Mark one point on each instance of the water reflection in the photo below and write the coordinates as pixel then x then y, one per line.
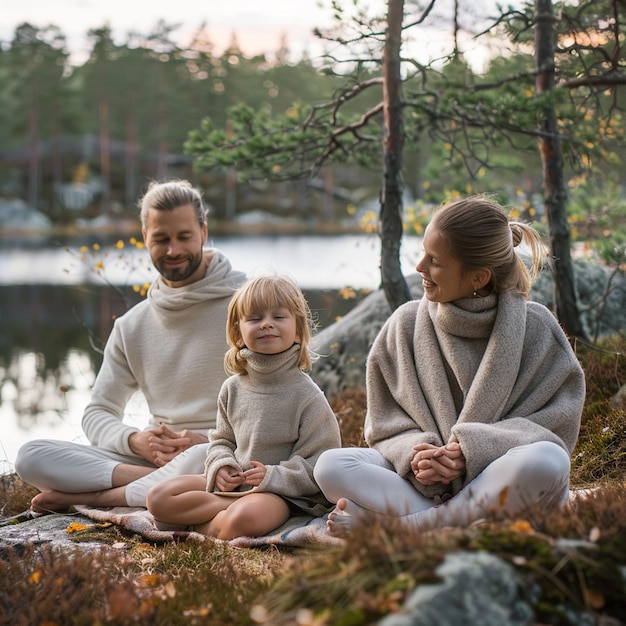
pixel 51 340
pixel 50 348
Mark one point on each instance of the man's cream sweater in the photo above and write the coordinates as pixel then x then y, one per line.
pixel 170 347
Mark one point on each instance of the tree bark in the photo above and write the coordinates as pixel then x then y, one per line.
pixel 555 196
pixel 393 282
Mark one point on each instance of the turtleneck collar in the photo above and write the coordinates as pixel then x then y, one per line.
pixel 472 318
pixel 271 367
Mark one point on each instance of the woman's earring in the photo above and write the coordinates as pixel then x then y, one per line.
pixel 475 294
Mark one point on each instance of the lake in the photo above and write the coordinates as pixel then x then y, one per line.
pixel 57 303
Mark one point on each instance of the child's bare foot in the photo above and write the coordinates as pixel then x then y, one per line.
pixel 203 529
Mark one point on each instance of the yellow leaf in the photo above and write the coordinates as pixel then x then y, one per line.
pixel 75 527
pixel 149 580
pixel 521 526
pixel 594 599
pixel 170 589
pixel 103 524
pixel 34 577
pixel 503 496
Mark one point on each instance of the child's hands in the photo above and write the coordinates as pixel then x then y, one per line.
pixel 254 476
pixel 228 478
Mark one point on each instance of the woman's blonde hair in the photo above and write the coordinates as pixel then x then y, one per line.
pixel 260 294
pixel 480 235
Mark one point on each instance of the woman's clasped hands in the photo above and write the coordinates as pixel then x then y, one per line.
pixel 438 464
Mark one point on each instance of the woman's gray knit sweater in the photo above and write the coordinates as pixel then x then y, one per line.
pixel 491 373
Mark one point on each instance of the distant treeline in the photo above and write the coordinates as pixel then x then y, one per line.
pixel 83 140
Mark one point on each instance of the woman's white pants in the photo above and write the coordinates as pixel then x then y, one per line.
pixel 525 475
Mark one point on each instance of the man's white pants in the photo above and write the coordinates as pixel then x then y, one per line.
pixel 76 468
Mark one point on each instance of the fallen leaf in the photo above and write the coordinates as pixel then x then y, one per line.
pixel 75 527
pixel 503 496
pixel 521 526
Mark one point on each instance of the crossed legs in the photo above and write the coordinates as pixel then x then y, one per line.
pixel 364 485
pixel 183 501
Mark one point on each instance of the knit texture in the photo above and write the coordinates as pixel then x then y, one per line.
pixel 516 379
pixel 276 415
pixel 170 347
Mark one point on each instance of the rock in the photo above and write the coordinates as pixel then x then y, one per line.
pixel 45 529
pixel 16 214
pixel 477 588
pixel 618 401
pixel 601 297
pixel 344 345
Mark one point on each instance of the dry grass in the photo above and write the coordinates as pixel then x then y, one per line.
pixel 573 557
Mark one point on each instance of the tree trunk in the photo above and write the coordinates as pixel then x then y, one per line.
pixel 553 176
pixel 130 175
pixel 105 155
pixel 33 148
pixel 393 282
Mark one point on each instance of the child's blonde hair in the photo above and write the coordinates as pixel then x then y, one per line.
pixel 260 294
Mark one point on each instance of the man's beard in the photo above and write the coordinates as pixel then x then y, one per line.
pixel 177 274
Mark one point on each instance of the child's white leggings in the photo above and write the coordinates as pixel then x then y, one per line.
pixel 528 474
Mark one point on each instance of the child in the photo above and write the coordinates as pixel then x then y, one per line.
pixel 273 422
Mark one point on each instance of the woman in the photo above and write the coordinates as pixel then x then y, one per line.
pixel 474 393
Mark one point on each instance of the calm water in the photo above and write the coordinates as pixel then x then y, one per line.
pixel 57 305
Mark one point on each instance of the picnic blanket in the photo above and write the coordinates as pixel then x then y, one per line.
pixel 298 531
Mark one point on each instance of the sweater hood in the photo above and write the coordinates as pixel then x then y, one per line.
pixel 220 281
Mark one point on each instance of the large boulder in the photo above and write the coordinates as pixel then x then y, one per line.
pixel 343 347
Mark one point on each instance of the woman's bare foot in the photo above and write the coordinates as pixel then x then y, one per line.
pixel 346 516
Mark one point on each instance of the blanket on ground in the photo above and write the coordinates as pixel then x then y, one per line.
pixel 299 531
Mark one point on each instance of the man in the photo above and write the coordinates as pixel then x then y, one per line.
pixel 170 347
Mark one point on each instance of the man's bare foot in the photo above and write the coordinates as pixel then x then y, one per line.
pixel 60 501
pixel 52 502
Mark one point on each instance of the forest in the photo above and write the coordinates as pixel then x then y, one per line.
pixel 83 140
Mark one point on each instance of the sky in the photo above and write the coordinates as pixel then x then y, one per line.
pixel 258 24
